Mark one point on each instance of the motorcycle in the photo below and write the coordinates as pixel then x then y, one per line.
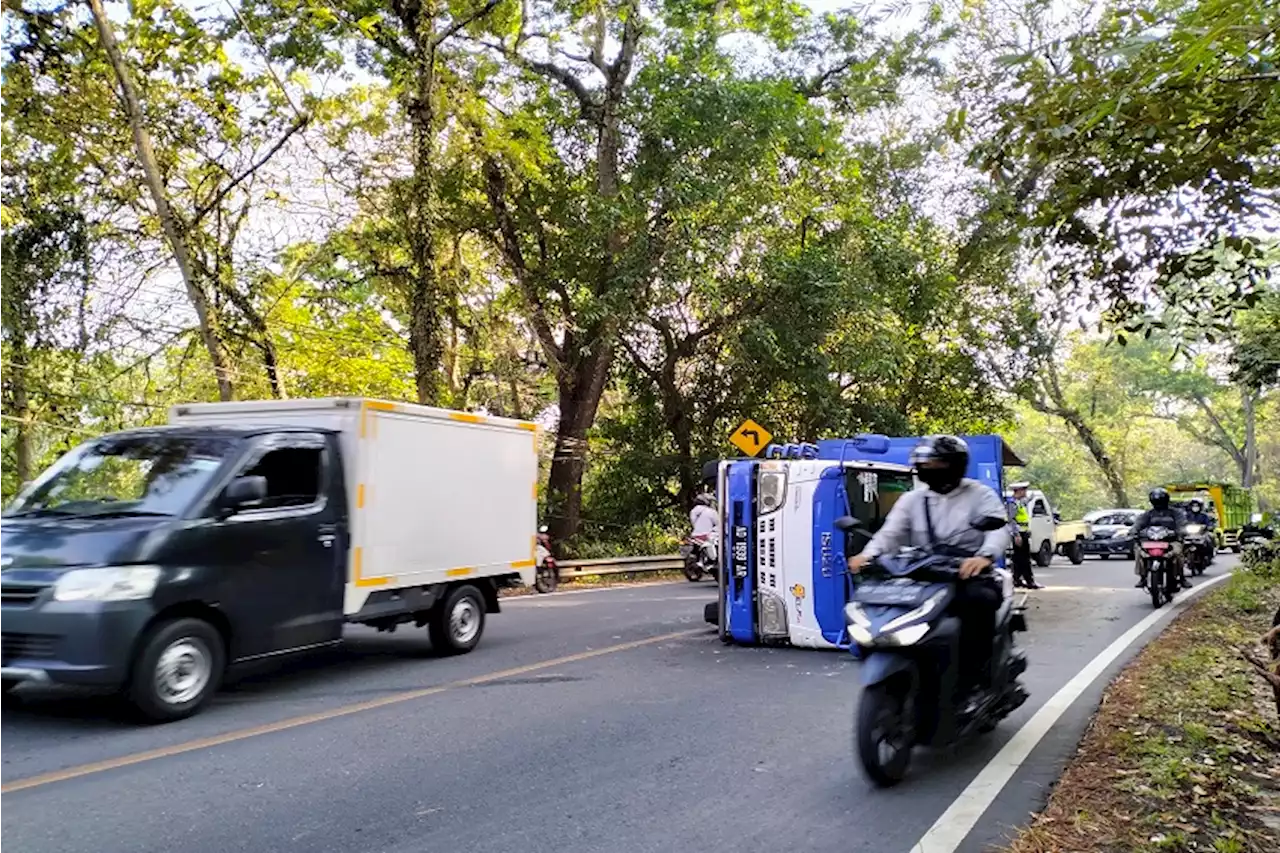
pixel 547 576
pixel 1200 546
pixel 1163 580
pixel 910 645
pixel 699 557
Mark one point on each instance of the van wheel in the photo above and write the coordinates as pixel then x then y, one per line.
pixel 457 623
pixel 177 671
pixel 1045 555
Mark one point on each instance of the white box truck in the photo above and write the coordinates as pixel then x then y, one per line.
pixel 150 560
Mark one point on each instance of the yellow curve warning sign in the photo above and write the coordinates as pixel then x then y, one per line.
pixel 751 438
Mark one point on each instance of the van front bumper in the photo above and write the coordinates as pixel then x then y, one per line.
pixel 72 642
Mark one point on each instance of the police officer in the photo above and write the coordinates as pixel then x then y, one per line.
pixel 942 516
pixel 1020 531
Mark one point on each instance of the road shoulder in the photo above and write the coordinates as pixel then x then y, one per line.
pixel 1184 752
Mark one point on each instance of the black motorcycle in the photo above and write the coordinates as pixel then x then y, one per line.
pixel 1157 545
pixel 898 617
pixel 1200 545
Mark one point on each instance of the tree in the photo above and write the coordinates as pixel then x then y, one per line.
pixel 1136 149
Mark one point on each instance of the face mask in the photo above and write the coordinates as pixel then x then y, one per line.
pixel 940 480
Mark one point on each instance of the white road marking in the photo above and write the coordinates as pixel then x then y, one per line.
pixel 951 829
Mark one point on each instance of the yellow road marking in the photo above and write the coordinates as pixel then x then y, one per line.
pixel 321 716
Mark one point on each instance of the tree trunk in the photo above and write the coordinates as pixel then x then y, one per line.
pixel 579 399
pixel 1249 474
pixel 21 402
pixel 174 231
pixel 1100 456
pixel 426 343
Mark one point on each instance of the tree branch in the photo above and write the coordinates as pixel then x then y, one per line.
pixel 463 22
pixel 202 211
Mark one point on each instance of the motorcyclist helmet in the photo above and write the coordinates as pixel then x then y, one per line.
pixel 705 499
pixel 1195 505
pixel 940 462
pixel 1159 499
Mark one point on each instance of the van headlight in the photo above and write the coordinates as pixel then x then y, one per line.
pixel 111 583
pixel 772 490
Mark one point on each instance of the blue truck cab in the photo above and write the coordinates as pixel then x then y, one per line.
pixel 783 575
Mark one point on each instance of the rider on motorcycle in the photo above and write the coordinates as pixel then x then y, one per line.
pixel 1160 515
pixel 1196 513
pixel 704 519
pixel 944 514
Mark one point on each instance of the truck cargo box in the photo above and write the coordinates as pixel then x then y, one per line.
pixel 433 495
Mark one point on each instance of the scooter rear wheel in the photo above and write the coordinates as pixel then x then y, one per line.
pixel 884 734
pixel 547 579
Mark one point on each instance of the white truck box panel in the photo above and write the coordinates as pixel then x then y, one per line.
pixel 434 495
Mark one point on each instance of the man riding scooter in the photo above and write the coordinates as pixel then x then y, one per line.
pixel 705 522
pixel 1199 535
pixel 944 514
pixel 1161 514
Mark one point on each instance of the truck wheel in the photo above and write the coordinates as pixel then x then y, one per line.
pixel 1045 555
pixel 457 623
pixel 1075 553
pixel 177 670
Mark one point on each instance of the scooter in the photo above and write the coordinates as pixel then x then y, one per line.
pixel 547 576
pixel 698 553
pixel 1200 545
pixel 1163 581
pixel 898 618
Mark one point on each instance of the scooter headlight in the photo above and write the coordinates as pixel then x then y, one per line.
pixel 1195 529
pixel 931 604
pixel 860 635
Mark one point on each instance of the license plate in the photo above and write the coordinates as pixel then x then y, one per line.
pixel 740 551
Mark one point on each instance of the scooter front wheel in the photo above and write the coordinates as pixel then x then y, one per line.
pixel 884 736
pixel 692 571
pixel 547 579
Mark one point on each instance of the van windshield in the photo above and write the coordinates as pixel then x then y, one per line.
pixel 125 475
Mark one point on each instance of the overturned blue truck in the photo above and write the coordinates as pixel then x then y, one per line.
pixel 783 577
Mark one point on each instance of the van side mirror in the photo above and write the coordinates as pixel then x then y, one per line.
pixel 243 493
pixel 991 522
pixel 1057 517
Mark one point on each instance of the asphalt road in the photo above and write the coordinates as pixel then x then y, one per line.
pixel 607 720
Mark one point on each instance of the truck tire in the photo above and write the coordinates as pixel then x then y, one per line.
pixel 457 622
pixel 1044 556
pixel 177 670
pixel 1075 553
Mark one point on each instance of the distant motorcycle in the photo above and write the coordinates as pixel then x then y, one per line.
pixel 1157 549
pixel 547 576
pixel 1200 546
pixel 899 619
pixel 699 557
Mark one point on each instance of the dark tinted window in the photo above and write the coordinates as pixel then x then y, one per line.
pixel 293 476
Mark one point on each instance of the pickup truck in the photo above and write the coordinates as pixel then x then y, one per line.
pixel 1070 537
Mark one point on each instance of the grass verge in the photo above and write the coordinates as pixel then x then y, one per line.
pixel 597 581
pixel 1184 752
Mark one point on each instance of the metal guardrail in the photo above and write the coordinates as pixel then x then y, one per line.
pixel 619 566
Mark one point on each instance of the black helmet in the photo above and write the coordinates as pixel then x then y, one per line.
pixel 1159 499
pixel 940 462
pixel 1195 505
